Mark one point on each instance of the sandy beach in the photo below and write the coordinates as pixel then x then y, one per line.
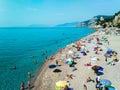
pixel 46 79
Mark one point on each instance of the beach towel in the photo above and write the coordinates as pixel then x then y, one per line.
pixel 56 74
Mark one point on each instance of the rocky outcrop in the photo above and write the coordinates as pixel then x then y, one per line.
pixel 116 20
pixel 92 23
pixel 113 21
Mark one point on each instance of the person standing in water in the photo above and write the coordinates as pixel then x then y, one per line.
pixel 22 86
pixel 29 76
pixel 29 86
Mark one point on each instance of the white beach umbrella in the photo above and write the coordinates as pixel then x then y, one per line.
pixel 70 52
pixel 94 58
pixel 69 59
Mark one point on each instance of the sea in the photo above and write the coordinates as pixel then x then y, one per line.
pixel 21 47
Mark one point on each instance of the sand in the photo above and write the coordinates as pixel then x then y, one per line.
pixel 46 79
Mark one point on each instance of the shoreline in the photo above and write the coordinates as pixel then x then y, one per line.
pixel 41 71
pixel 44 77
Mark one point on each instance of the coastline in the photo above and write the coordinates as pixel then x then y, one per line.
pixel 42 70
pixel 46 81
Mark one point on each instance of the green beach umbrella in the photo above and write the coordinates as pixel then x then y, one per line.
pixel 110 87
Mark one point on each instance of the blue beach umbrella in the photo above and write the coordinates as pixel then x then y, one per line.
pixel 109 50
pixel 105 82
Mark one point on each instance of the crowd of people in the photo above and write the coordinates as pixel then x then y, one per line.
pixel 80 47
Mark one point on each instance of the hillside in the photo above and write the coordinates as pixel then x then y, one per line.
pixel 88 23
pixel 111 21
pixel 72 24
pixel 91 22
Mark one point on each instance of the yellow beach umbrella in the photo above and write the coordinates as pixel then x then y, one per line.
pixel 61 83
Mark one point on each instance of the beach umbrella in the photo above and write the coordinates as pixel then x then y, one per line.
pixel 94 61
pixel 63 55
pixel 109 51
pixel 93 58
pixel 105 82
pixel 70 52
pixel 76 54
pixel 57 70
pixel 52 66
pixel 95 48
pixel 69 59
pixel 110 87
pixel 61 83
pixel 69 62
pixel 106 55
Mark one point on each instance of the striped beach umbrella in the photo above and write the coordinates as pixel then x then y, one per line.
pixel 69 62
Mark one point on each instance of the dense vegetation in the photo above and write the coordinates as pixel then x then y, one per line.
pixel 110 20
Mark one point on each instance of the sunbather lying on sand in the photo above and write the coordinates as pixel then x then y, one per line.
pixel 89 80
pixel 69 76
pixel 88 64
pixel 112 63
pixel 74 69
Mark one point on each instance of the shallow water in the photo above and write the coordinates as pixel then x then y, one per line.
pixel 18 45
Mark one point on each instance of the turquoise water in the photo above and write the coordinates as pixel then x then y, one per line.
pixel 17 45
